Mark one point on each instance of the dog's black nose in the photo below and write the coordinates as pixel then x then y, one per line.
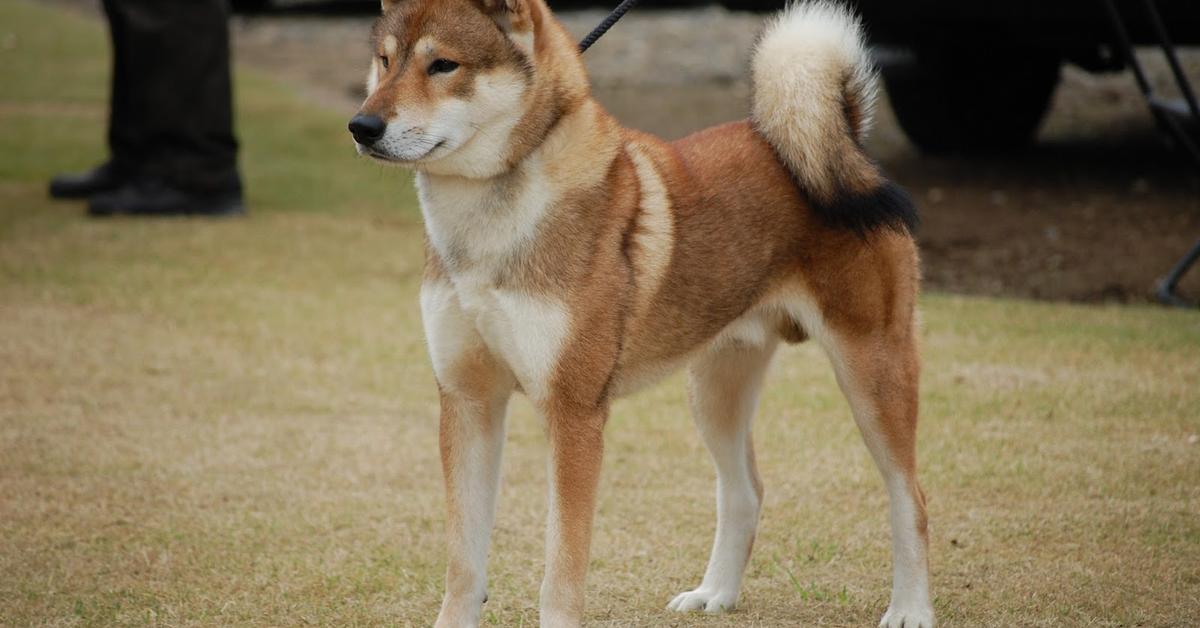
pixel 367 129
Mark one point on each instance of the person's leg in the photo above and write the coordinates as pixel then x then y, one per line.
pixel 127 128
pixel 126 135
pixel 172 107
pixel 177 82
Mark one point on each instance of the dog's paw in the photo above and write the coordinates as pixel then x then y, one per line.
pixel 702 600
pixel 458 613
pixel 907 618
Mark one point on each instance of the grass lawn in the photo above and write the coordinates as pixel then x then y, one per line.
pixel 233 422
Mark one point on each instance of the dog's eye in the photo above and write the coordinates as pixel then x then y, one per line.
pixel 442 66
pixel 384 61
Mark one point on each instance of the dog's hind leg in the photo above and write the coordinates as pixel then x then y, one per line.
pixel 724 386
pixel 877 367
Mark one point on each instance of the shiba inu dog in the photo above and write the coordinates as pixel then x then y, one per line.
pixel 576 261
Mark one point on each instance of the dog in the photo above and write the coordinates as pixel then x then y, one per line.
pixel 576 261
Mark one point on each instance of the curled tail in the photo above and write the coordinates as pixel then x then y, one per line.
pixel 814 94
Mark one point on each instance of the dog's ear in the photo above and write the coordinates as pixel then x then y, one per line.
pixel 510 6
pixel 515 17
pixel 387 4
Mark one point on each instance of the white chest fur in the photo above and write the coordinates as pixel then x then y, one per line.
pixel 477 227
pixel 480 223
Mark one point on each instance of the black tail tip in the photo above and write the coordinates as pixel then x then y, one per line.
pixel 887 206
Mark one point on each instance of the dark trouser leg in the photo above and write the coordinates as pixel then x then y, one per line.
pixel 172 111
pixel 126 136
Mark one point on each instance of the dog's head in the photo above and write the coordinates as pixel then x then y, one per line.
pixel 452 82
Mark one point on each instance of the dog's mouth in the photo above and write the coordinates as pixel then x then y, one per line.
pixel 375 153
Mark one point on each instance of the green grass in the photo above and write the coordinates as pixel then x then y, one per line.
pixel 233 422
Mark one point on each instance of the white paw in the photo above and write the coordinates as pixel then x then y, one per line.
pixel 458 614
pixel 907 618
pixel 458 622
pixel 702 600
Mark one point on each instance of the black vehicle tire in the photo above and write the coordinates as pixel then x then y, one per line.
pixel 250 6
pixel 755 6
pixel 971 99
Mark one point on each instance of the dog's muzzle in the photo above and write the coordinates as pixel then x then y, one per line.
pixel 367 129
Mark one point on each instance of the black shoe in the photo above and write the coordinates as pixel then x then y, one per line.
pixel 149 197
pixel 103 178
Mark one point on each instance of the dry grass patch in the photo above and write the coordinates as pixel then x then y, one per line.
pixel 233 423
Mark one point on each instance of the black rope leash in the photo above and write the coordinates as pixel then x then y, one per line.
pixel 608 22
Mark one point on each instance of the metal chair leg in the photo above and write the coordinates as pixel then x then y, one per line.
pixel 1170 119
pixel 1167 288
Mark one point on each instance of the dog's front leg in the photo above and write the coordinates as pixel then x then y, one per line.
pixel 474 390
pixel 472 437
pixel 576 437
